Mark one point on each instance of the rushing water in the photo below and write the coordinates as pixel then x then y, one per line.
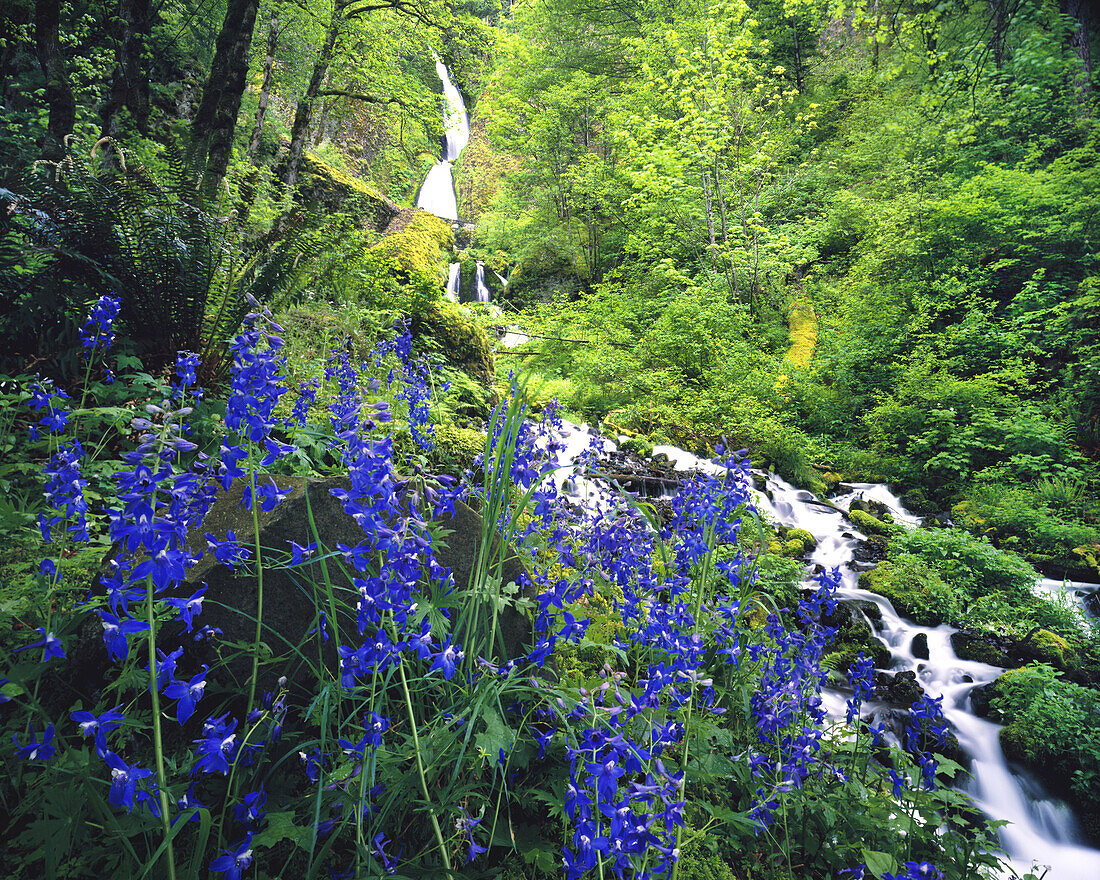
pixel 437 193
pixel 1042 830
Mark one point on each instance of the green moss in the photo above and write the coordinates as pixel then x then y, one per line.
pixel 334 190
pixel 855 637
pixel 449 330
pixel 1049 647
pixel 871 526
pixel 915 589
pixel 808 540
pixel 459 445
pixel 420 243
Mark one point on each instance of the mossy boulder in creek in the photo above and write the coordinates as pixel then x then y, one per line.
pixel 982 647
pixel 867 524
pixel 291 602
pixel 419 243
pixel 1046 647
pixel 914 589
pixel 448 329
pixel 322 186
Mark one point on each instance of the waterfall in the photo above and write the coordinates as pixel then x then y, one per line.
pixel 479 284
pixel 437 193
pixel 454 281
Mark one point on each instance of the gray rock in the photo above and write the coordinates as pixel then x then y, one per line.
pixel 293 598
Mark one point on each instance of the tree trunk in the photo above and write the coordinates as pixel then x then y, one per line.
pixel 799 67
pixel 265 87
pixel 721 199
pixel 59 93
pixel 999 24
pixel 221 98
pixel 305 106
pixel 1083 13
pixel 130 80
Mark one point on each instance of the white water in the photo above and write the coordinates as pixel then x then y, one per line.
pixel 480 287
pixel 454 277
pixel 1042 830
pixel 437 193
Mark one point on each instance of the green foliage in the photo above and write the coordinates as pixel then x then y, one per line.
pixel 915 589
pixel 1052 726
pixel 970 565
pixel 183 273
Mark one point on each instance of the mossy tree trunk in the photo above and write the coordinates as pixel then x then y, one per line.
pixel 59 92
pixel 216 118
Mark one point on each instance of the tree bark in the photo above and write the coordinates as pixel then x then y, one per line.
pixel 59 92
pixel 265 87
pixel 304 112
pixel 130 81
pixel 1083 13
pixel 221 98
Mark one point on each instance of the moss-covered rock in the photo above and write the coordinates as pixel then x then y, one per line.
pixel 808 541
pixel 981 648
pixel 1046 647
pixel 855 637
pixel 871 526
pixel 914 589
pixel 420 243
pixel 323 186
pixel 459 446
pixel 449 330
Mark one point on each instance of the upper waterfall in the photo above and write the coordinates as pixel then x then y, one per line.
pixel 437 193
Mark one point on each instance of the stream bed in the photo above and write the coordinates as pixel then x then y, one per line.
pixel 1042 829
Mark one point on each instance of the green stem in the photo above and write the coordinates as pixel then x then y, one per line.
pixel 158 744
pixel 420 769
pixel 259 595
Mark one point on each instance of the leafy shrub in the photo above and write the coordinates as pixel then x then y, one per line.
pixel 971 566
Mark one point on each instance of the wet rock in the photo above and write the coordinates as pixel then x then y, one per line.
pixel 919 646
pixel 643 476
pixel 874 549
pixel 982 648
pixel 981 697
pixel 899 688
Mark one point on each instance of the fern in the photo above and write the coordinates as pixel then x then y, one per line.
pixel 183 269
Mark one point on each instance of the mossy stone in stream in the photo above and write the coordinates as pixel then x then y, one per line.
pixel 871 526
pixel 1046 647
pixel 981 648
pixel 853 638
pixel 914 589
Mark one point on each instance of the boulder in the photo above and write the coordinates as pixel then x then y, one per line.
pixel 899 688
pixel 292 597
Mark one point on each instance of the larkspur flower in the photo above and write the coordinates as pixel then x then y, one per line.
pixel 188 694
pixel 98 726
pixel 446 659
pixel 234 862
pixel 99 326
pixel 49 643
pixel 35 750
pixel 124 780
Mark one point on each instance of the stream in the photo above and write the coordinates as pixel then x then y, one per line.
pixel 1042 829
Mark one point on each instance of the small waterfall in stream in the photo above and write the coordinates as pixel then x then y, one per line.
pixel 1042 829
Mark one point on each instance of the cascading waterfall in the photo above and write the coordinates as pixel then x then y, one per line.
pixel 437 193
pixel 1042 830
pixel 454 277
pixel 480 287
